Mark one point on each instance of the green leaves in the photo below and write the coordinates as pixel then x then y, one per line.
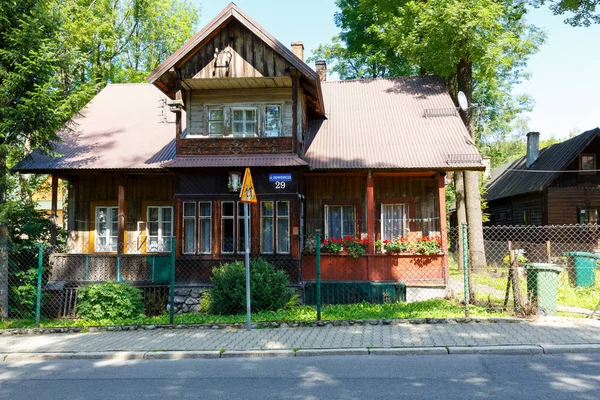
pixel 109 301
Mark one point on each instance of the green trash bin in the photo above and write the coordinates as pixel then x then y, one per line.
pixel 582 268
pixel 542 284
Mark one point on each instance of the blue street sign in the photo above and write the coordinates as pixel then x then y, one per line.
pixel 280 177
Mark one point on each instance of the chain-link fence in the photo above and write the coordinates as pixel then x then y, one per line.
pixel 534 270
pixel 527 270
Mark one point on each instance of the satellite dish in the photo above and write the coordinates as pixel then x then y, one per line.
pixel 462 101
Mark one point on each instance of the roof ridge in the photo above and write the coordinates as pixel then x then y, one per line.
pixel 401 77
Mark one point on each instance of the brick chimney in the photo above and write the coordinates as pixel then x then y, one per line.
pixel 298 50
pixel 321 67
pixel 533 147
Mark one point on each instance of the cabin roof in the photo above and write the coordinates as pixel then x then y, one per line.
pixel 514 178
pixel 126 126
pixel 370 124
pixel 395 123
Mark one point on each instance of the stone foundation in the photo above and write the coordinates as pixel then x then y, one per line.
pixel 421 293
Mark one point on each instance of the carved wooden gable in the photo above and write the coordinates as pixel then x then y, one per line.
pixel 239 54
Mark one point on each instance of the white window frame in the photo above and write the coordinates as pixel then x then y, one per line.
pixel 341 207
pixel 244 121
pixel 199 227
pixel 272 217
pixel 240 219
pixel 404 220
pixel 192 218
pixel 110 210
pixel 280 122
pixel 288 217
pixel 161 235
pixel 208 121
pixel 228 217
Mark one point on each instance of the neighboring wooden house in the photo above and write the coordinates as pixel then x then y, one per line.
pixel 555 186
pixel 363 158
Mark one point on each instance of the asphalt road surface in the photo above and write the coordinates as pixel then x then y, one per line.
pixel 566 376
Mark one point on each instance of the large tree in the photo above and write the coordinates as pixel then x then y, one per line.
pixel 583 12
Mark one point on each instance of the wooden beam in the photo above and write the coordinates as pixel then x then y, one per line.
pixel 370 214
pixel 121 216
pixel 443 225
pixel 416 173
pixel 53 211
pixel 294 111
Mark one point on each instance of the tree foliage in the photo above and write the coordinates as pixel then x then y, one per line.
pixel 583 12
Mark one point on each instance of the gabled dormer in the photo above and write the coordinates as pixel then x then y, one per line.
pixel 243 90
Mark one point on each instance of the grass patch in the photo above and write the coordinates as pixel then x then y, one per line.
pixel 436 308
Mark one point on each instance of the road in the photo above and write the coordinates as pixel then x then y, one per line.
pixel 565 376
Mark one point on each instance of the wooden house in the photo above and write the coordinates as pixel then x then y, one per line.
pixel 557 185
pixel 148 162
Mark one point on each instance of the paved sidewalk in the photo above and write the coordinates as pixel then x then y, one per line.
pixel 447 336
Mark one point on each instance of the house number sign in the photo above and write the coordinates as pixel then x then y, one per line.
pixel 280 180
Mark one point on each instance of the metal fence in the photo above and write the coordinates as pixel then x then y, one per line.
pixel 527 270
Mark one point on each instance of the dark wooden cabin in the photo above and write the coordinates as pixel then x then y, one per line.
pixel 558 185
pixel 148 162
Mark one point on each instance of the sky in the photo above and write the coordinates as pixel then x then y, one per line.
pixel 564 74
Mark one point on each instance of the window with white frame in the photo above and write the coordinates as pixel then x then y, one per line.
pixel 159 227
pixel 267 227
pixel 241 228
pixel 340 221
pixel 200 239
pixel 216 121
pixel 393 221
pixel 227 227
pixel 273 120
pixel 205 227
pixel 275 227
pixel 283 227
pixel 244 121
pixel 106 231
pixel 189 227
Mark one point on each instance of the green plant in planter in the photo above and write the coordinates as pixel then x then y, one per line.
pixel 395 246
pixel 355 247
pixel 428 245
pixel 332 245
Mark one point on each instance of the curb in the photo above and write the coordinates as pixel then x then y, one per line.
pixel 266 325
pixel 395 351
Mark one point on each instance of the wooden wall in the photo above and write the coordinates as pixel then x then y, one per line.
pixel 250 56
pixel 86 189
pixel 563 203
pixel 510 211
pixel 420 192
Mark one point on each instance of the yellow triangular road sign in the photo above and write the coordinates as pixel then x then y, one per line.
pixel 247 194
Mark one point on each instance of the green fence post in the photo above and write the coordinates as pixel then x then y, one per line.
pixel 466 268
pixel 38 301
pixel 172 291
pixel 318 259
pixel 119 279
pixel 87 268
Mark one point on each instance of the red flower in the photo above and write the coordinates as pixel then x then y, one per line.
pixel 324 241
pixel 348 237
pixel 386 241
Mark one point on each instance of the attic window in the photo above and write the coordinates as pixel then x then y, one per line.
pixel 587 164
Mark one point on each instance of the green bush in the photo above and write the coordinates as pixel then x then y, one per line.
pixel 268 287
pixel 109 301
pixel 23 293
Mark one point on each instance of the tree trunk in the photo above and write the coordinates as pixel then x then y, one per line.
pixel 477 260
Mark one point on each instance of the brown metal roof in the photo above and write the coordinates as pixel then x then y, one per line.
pixel 127 126
pixel 395 123
pixel 245 160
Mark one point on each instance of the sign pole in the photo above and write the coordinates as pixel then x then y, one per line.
pixel 247 243
pixel 247 195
